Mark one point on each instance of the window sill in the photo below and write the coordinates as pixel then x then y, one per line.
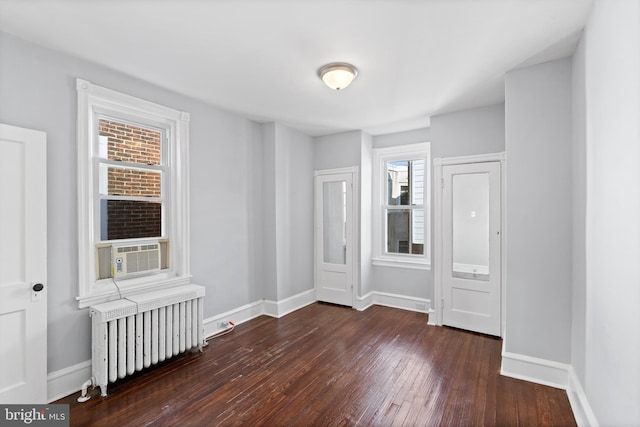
pixel 401 263
pixel 109 292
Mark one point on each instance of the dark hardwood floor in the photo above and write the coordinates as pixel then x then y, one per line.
pixel 330 365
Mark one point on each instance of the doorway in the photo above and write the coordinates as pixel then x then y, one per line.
pixel 470 243
pixel 334 236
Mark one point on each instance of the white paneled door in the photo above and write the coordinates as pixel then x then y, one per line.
pixel 471 247
pixel 23 266
pixel 334 238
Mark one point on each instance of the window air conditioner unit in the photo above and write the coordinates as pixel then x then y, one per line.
pixel 131 260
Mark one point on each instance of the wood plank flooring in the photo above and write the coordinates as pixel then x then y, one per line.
pixel 330 365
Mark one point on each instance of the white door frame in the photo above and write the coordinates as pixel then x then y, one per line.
pixel 355 251
pixel 437 235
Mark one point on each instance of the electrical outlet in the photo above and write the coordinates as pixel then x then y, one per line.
pixel 223 325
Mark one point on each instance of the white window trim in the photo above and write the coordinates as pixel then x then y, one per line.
pixel 92 99
pixel 380 157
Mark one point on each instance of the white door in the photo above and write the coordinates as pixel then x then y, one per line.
pixel 471 265
pixel 334 234
pixel 23 266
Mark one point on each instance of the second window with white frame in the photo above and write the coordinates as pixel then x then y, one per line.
pixel 401 205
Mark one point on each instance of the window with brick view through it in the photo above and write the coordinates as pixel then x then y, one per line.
pixel 131 169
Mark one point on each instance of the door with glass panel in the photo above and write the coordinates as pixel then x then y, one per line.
pixel 471 209
pixel 334 238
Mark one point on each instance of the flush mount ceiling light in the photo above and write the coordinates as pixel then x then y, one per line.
pixel 338 75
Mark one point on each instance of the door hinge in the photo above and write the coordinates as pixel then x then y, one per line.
pixel 442 183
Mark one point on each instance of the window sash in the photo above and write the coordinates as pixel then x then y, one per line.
pixel 102 162
pixel 410 232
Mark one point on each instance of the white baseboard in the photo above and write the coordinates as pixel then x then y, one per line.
pixel 282 308
pixel 237 315
pixel 67 381
pixel 532 369
pixel 421 305
pixel 554 374
pixel 432 318
pixel 364 302
pixel 579 403
pixel 251 311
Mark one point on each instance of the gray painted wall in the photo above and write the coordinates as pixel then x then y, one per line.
pixel 463 133
pixel 341 150
pixel 538 198
pixel 579 208
pixel 606 348
pixel 402 138
pixel 294 212
pixel 225 208
pixel 269 212
pixel 37 90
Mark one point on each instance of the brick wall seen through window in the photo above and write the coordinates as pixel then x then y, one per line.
pixel 126 219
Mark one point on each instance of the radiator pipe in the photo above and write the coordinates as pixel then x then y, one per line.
pixel 84 396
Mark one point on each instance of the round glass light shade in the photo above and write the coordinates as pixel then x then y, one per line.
pixel 338 75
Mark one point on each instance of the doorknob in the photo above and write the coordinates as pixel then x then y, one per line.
pixel 38 287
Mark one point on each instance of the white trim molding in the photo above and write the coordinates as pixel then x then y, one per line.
pixel 475 158
pixel 421 305
pixel 321 172
pixel 63 382
pixel 237 316
pixel 552 374
pixel 579 403
pixel 408 263
pixel 364 302
pixel 265 307
pixel 281 308
pixel 535 370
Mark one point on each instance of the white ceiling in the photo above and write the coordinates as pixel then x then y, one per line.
pixel 259 58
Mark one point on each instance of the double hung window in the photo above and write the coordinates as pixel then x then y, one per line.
pixel 132 195
pixel 401 206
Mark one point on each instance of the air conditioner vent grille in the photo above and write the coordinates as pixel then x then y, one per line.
pixel 135 259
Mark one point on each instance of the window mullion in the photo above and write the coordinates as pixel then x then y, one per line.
pixel 131 198
pixel 129 165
